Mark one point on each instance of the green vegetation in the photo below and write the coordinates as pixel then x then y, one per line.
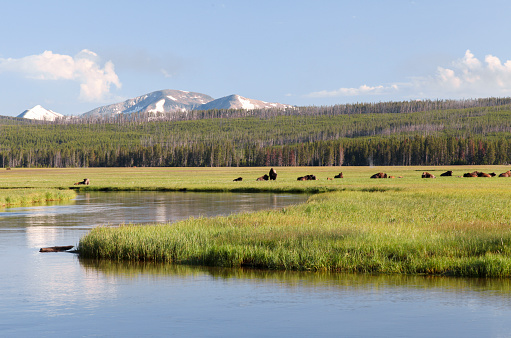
pixel 449 225
pixel 13 197
pixel 474 132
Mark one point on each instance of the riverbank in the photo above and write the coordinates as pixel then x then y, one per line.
pixel 15 197
pixel 406 225
pixel 435 230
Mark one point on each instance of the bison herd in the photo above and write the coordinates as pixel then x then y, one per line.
pixel 272 175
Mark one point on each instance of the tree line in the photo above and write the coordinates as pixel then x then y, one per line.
pixel 392 133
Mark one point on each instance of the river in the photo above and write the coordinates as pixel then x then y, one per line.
pixel 49 294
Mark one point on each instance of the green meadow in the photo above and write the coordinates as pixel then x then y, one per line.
pixel 444 226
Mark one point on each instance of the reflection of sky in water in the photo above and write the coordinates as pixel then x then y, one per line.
pixel 140 207
pixel 56 292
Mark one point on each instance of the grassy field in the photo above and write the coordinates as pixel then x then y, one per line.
pixel 409 225
pixel 448 225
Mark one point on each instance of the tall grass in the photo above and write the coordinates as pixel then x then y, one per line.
pixel 410 232
pixel 12 197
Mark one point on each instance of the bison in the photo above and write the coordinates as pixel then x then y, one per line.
pixel 239 179
pixel 506 174
pixel 307 178
pixel 84 182
pixel 427 175
pixel 379 175
pixel 481 174
pixel 273 174
pixel 472 174
pixel 339 175
pixel 447 173
pixel 263 178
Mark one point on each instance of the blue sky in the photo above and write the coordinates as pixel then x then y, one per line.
pixel 71 56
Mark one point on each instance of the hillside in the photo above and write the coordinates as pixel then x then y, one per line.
pixel 381 134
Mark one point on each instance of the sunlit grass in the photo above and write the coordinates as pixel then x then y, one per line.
pixel 411 232
pixel 14 197
pixel 409 225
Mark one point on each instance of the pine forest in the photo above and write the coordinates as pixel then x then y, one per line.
pixel 387 133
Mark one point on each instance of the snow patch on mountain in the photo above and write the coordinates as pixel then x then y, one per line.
pixel 40 113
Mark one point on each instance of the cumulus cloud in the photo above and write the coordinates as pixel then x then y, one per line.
pixel 467 77
pixel 95 81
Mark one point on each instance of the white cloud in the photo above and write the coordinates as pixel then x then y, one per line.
pixel 467 77
pixel 362 90
pixel 84 68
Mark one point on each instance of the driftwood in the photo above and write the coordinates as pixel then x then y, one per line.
pixel 56 248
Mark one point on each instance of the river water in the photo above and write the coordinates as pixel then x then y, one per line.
pixel 49 294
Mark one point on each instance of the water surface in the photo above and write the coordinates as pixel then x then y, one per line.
pixel 49 294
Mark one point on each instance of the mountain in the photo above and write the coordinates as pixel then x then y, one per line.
pixel 239 102
pixel 162 101
pixel 39 113
pixel 172 101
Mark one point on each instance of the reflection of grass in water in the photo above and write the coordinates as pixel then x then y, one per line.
pixel 320 279
pixel 15 197
pixel 426 231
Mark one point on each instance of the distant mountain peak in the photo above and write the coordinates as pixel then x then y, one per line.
pixel 235 101
pixel 40 113
pixel 161 101
pixel 169 101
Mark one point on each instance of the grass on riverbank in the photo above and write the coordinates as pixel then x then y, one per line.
pixel 449 225
pixel 14 197
pixel 440 231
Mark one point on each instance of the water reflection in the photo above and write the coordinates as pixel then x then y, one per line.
pixel 47 293
pixel 485 288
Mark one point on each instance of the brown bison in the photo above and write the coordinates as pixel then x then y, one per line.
pixel 239 179
pixel 506 174
pixel 273 174
pixel 427 175
pixel 379 175
pixel 84 182
pixel 307 178
pixel 263 178
pixel 472 174
pixel 339 175
pixel 447 173
pixel 481 174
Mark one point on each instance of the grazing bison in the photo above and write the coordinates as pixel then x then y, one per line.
pixel 447 173
pixel 379 175
pixel 427 175
pixel 239 179
pixel 273 174
pixel 263 178
pixel 307 178
pixel 84 182
pixel 339 176
pixel 506 174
